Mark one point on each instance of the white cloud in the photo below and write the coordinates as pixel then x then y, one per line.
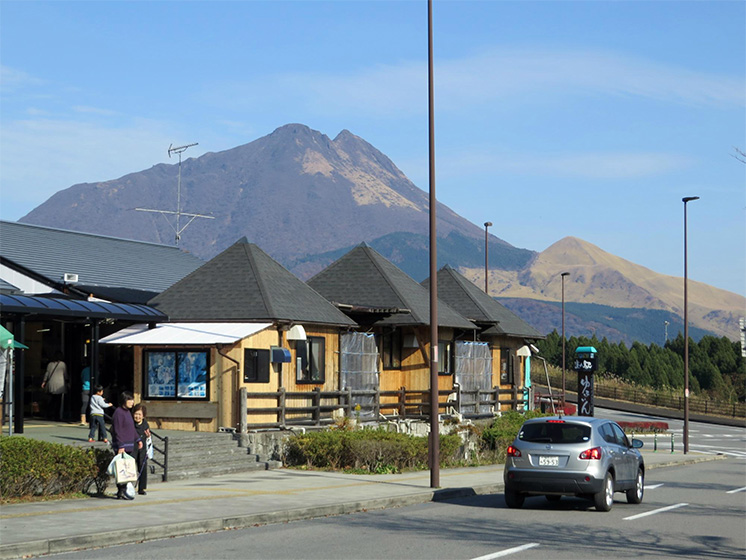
pixel 600 165
pixel 12 79
pixel 42 156
pixel 498 75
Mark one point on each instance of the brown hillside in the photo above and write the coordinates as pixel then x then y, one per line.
pixel 600 277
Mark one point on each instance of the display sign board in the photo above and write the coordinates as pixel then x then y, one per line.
pixel 585 359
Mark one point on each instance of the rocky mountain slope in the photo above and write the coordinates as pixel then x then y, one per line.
pixel 598 277
pixel 295 193
pixel 306 199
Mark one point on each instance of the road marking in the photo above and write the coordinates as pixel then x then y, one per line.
pixel 653 486
pixel 507 551
pixel 736 490
pixel 660 510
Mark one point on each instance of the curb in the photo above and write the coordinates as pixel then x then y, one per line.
pixel 131 536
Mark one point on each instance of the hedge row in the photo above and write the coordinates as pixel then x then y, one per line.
pixel 31 467
pixel 373 450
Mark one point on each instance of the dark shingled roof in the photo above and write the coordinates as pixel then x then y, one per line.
pixel 99 261
pixel 243 283
pixel 364 278
pixel 484 310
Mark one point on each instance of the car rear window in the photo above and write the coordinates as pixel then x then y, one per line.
pixel 567 432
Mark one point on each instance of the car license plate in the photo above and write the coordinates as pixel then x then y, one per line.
pixel 548 461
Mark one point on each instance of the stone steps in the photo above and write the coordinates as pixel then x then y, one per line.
pixel 199 455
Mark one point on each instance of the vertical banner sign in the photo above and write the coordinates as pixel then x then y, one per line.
pixel 585 394
pixel 585 365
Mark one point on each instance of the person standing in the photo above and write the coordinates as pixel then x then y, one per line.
pixel 143 430
pixel 98 404
pixel 85 392
pixel 56 383
pixel 124 436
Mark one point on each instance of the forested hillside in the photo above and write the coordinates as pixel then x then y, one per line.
pixel 716 366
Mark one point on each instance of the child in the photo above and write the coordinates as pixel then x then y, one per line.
pixel 98 404
pixel 143 429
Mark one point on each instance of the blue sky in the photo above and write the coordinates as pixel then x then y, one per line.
pixel 585 118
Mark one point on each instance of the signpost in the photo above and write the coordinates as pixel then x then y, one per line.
pixel 585 364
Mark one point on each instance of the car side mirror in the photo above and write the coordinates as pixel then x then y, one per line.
pixel 637 444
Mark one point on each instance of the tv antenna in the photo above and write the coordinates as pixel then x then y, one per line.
pixel 178 229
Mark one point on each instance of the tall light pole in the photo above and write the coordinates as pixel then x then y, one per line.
pixel 563 336
pixel 486 258
pixel 434 447
pixel 686 335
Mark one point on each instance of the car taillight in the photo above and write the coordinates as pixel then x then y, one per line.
pixel 591 454
pixel 513 451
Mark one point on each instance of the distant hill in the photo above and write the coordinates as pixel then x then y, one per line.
pixel 598 277
pixel 306 200
pixel 296 193
pixel 617 324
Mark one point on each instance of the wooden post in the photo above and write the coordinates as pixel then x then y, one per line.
pixel 281 406
pixel 316 397
pixel 377 404
pixel 348 405
pixel 242 410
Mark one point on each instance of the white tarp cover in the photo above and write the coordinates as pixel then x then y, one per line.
pixel 473 371
pixel 185 333
pixel 359 366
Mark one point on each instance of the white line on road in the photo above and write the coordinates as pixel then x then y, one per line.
pixel 660 510
pixel 507 551
pixel 653 486
pixel 736 490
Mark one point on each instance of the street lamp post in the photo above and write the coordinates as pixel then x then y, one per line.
pixel 486 258
pixel 686 335
pixel 563 336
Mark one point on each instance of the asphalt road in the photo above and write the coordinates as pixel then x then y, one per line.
pixel 695 511
pixel 703 437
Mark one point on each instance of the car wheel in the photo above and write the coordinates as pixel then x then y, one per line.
pixel 605 498
pixel 553 497
pixel 513 499
pixel 634 495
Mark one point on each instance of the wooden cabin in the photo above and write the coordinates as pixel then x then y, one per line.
pixel 500 329
pixel 239 321
pixel 393 310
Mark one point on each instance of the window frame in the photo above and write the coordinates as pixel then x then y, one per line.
pixel 260 362
pixel 445 357
pixel 179 355
pixel 391 349
pixel 309 358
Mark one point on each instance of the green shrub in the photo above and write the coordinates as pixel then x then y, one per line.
pixel 30 467
pixel 370 450
pixel 503 430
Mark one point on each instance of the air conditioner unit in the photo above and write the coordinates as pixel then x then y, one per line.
pixel 68 278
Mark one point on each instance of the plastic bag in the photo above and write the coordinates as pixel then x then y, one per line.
pixel 123 468
pixel 149 447
pixel 129 491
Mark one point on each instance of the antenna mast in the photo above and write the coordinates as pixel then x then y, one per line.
pixel 178 229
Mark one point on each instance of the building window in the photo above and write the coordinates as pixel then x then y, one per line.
pixel 255 366
pixel 174 374
pixel 506 366
pixel 313 360
pixel 391 344
pixel 445 358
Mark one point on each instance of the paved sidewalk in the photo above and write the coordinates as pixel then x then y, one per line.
pixel 239 500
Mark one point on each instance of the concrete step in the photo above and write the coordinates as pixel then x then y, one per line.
pixel 199 455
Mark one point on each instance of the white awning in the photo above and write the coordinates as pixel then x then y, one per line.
pixel 185 333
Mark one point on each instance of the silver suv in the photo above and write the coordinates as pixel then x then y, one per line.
pixel 573 456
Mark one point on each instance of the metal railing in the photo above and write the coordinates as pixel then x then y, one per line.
pixel 163 451
pixel 646 395
pixel 316 407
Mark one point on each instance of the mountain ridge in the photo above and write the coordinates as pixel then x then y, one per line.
pixel 306 199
